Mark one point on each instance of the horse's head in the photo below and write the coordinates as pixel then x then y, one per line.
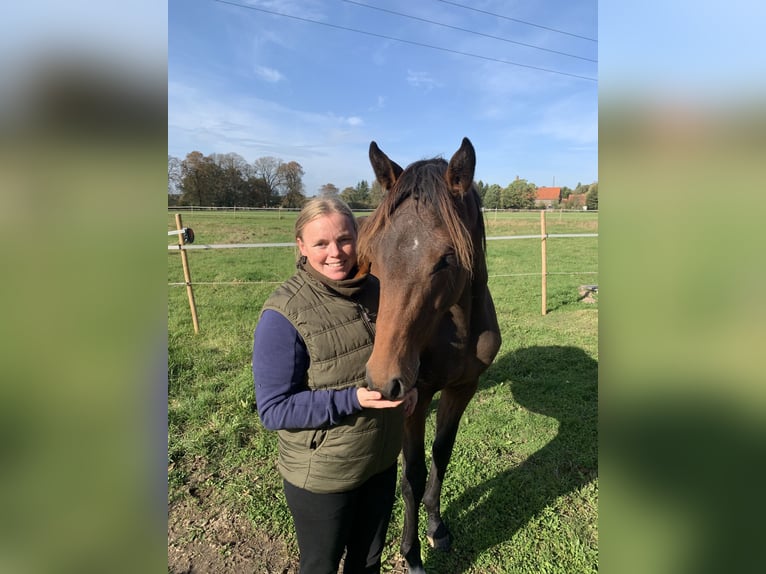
pixel 420 243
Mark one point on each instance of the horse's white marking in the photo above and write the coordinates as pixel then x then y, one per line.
pixel 415 244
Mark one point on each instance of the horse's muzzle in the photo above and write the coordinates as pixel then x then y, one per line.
pixel 393 390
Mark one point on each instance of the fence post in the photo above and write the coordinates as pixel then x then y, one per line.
pixel 187 274
pixel 543 235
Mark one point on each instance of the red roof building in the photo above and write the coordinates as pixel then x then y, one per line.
pixel 547 196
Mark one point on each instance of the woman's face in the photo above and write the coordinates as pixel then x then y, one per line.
pixel 329 244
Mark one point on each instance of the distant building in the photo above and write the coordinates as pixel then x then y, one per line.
pixel 547 196
pixel 575 201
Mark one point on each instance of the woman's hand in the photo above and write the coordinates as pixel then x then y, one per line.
pixel 374 400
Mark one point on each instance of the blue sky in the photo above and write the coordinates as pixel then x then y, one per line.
pixel 258 84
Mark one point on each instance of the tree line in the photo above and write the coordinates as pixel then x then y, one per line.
pixel 520 194
pixel 228 180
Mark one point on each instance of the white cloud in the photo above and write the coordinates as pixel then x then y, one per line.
pixel 269 74
pixel 422 80
pixel 252 127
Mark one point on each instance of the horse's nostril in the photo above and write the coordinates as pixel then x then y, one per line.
pixel 397 389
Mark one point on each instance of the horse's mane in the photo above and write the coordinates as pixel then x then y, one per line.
pixel 424 182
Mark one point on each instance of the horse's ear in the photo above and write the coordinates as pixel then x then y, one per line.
pixel 461 167
pixel 386 171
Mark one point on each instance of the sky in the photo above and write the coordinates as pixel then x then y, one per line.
pixel 519 79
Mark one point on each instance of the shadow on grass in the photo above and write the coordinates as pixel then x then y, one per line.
pixel 559 382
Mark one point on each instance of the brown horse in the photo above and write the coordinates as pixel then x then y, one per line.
pixel 436 325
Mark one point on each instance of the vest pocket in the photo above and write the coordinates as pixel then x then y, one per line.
pixel 318 438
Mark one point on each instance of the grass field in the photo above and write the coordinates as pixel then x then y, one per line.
pixel 522 488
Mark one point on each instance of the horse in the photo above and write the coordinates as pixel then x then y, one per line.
pixel 436 326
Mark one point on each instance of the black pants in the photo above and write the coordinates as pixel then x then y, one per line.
pixel 356 520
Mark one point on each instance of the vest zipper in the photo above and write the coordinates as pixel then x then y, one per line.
pixel 366 320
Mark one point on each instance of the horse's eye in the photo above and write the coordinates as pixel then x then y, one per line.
pixel 443 263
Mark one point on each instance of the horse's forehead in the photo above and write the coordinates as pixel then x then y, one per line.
pixel 415 220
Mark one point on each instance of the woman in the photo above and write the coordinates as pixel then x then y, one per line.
pixel 338 441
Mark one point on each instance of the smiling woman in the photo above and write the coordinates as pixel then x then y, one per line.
pixel 328 243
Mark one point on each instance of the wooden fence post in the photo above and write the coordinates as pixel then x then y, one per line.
pixel 543 235
pixel 187 274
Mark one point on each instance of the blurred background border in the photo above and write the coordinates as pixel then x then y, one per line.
pixel 83 124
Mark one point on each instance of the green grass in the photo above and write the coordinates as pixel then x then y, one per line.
pixel 522 488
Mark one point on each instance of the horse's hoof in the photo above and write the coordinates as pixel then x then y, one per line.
pixel 417 569
pixel 442 544
pixel 440 539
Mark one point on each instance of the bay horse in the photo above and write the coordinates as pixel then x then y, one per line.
pixel 436 324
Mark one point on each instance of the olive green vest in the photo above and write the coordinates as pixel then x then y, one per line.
pixel 335 320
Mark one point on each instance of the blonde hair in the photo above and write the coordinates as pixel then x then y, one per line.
pixel 319 207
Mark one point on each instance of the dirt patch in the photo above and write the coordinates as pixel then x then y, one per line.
pixel 588 293
pixel 207 536
pixel 203 539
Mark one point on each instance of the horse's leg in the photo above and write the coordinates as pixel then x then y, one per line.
pixel 413 482
pixel 452 404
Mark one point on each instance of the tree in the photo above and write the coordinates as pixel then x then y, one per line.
pixel 363 192
pixel 200 180
pixel 231 161
pixel 347 195
pixel 357 197
pixel 174 175
pixel 591 198
pixel 190 185
pixel 229 180
pixel 293 199
pixel 481 188
pixel 291 178
pixel 230 187
pixel 328 190
pixel 256 193
pixel 565 192
pixel 518 195
pixel 492 196
pixel 376 194
pixel 268 169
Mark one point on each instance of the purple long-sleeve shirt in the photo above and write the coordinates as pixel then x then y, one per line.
pixel 280 362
